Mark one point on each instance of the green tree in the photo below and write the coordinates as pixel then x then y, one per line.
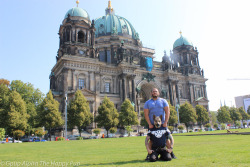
pixel 17 116
pixel 213 117
pixel 224 115
pixel 244 115
pixel 4 105
pixel 127 115
pixel 18 133
pixel 49 115
pixel 187 114
pixel 234 114
pixel 237 124
pixel 248 110
pixel 143 120
pixel 2 133
pixel 202 115
pixel 173 118
pixel 40 132
pixel 180 127
pixel 32 97
pixel 128 129
pixel 4 82
pixel 107 115
pixel 79 114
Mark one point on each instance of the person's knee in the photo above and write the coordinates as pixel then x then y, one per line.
pixel 153 157
pixel 166 156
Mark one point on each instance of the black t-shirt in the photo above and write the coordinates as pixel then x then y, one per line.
pixel 158 137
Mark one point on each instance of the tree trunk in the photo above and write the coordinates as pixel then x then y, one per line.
pixel 50 134
pixel 107 133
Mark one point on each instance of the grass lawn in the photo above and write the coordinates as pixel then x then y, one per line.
pixel 207 150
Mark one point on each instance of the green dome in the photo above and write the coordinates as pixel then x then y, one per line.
pixel 182 41
pixel 113 24
pixel 77 12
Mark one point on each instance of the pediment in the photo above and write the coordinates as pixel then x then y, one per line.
pixel 201 99
pixel 87 92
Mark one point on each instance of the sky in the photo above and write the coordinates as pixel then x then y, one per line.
pixel 218 28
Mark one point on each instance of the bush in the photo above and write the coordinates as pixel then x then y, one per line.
pixel 60 139
pixel 2 133
pixel 223 126
pixel 208 125
pixel 112 130
pixel 171 128
pixel 215 125
pixel 97 131
pixel 237 123
pixel 180 127
pixel 79 138
pixel 18 133
pixel 190 131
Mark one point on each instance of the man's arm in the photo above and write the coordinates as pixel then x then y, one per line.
pixel 147 145
pixel 167 113
pixel 146 114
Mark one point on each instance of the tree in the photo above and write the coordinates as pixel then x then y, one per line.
pixel 128 129
pixel 173 118
pixel 4 82
pixel 235 114
pixel 187 114
pixel 237 124
pixel 180 127
pixel 224 115
pixel 49 115
pixel 248 110
pixel 127 115
pixel 2 133
pixel 40 132
pixel 4 105
pixel 18 133
pixel 17 116
pixel 32 97
pixel 244 115
pixel 79 112
pixel 213 117
pixel 143 120
pixel 202 115
pixel 107 115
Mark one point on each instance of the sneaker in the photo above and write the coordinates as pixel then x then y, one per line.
pixel 147 158
pixel 172 155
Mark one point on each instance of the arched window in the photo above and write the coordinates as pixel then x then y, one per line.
pixel 80 37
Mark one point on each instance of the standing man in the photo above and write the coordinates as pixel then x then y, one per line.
pixel 156 106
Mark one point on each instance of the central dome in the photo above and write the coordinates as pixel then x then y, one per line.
pixel 112 24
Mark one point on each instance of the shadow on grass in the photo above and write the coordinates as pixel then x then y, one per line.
pixel 116 163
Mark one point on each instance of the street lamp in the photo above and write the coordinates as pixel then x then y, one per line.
pixel 66 97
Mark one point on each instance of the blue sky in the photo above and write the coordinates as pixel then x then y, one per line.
pixel 29 39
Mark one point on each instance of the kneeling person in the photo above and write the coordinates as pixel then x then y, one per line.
pixel 158 136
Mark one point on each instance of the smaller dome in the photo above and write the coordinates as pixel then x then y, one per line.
pixel 77 12
pixel 182 41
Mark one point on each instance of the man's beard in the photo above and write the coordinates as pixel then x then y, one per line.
pixel 154 96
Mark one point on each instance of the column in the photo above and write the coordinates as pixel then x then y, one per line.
pixel 177 93
pixel 170 92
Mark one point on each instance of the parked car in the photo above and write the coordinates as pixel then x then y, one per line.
pixel 10 140
pixel 72 137
pixel 93 137
pixel 36 139
pixel 110 135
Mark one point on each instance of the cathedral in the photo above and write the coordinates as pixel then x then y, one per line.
pixel 105 57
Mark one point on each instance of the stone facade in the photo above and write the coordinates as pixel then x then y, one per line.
pixel 119 67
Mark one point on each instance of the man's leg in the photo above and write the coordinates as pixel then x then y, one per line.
pixel 153 157
pixel 150 147
pixel 168 143
pixel 165 156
